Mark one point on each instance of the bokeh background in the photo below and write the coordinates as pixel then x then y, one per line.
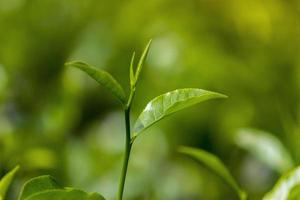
pixel 56 120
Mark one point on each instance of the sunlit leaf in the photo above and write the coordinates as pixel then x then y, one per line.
pixel 142 61
pixel 214 164
pixel 65 194
pixel 266 147
pixel 103 78
pixel 169 103
pixel 284 186
pixel 6 181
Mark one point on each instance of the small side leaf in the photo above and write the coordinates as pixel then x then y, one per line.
pixel 6 181
pixel 142 61
pixel 103 78
pixel 215 165
pixel 265 147
pixel 169 103
pixel 284 186
pixel 37 185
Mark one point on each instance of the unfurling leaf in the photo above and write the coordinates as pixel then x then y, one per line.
pixel 266 148
pixel 142 61
pixel 103 78
pixel 6 181
pixel 131 72
pixel 214 164
pixel 284 186
pixel 169 103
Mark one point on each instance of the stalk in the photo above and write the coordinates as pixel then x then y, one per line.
pixel 128 145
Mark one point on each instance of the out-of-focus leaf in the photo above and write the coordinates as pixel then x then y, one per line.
pixel 215 165
pixel 266 147
pixel 284 186
pixel 169 103
pixel 102 77
pixel 6 181
pixel 142 61
pixel 46 188
pixel 66 194
pixel 37 185
pixel 294 193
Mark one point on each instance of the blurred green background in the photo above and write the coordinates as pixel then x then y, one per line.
pixel 56 120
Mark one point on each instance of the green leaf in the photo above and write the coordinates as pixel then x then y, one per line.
pixel 169 103
pixel 215 165
pixel 6 181
pixel 66 194
pixel 142 61
pixel 294 193
pixel 37 185
pixel 284 186
pixel 103 78
pixel 266 148
pixel 132 76
pixel 45 187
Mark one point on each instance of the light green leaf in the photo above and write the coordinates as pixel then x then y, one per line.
pixel 214 164
pixel 67 194
pixel 294 193
pixel 142 61
pixel 37 185
pixel 132 76
pixel 284 186
pixel 266 147
pixel 103 78
pixel 169 103
pixel 6 181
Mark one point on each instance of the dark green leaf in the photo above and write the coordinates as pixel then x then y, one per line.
pixel 103 78
pixel 215 165
pixel 6 181
pixel 169 103
pixel 284 186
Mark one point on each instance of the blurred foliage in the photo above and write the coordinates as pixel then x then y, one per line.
pixel 55 120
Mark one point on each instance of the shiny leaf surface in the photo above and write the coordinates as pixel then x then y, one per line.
pixel 170 103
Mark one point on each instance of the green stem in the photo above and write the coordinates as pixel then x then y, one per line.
pixel 128 146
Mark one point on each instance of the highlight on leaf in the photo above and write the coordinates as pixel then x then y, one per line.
pixel 267 148
pixel 214 164
pixel 103 78
pixel 284 186
pixel 6 181
pixel 169 103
